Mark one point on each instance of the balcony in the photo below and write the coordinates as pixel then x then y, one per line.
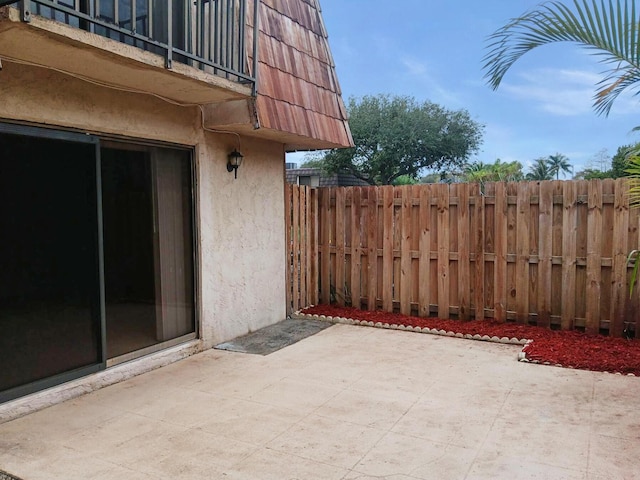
pixel 189 51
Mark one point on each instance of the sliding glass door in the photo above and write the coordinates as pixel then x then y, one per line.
pixel 96 254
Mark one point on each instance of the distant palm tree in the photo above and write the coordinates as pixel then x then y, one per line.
pixel 559 163
pixel 540 170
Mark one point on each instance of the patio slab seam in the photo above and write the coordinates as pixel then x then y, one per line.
pixel 524 342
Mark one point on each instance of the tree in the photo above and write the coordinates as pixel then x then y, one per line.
pixel 610 30
pixel 620 161
pixel 398 136
pixel 559 163
pixel 492 172
pixel 619 165
pixel 591 174
pixel 540 170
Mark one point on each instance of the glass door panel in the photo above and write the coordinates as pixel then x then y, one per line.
pixel 50 316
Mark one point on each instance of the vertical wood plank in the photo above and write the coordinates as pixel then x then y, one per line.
pixel 313 247
pixel 545 246
pixel 478 293
pixel 303 228
pixel 425 251
pixel 296 249
pixel 620 250
pixel 288 192
pixel 523 214
pixel 387 249
pixel 405 252
pixel 325 259
pixel 356 263
pixel 569 260
pixel 500 265
pixel 594 259
pixel 442 192
pixel 340 247
pixel 464 239
pixel 372 247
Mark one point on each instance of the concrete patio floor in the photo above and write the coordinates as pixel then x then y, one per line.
pixel 347 403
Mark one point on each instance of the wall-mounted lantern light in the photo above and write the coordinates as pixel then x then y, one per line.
pixel 234 160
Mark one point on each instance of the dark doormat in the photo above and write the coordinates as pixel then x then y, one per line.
pixel 271 339
pixel 5 476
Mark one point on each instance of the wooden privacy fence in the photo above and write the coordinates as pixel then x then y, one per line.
pixel 543 253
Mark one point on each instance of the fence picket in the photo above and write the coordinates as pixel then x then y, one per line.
pixel 289 225
pixel 594 265
pixel 325 245
pixel 372 247
pixel 478 291
pixel 341 294
pixel 620 251
pixel 500 246
pixel 313 248
pixel 356 263
pixel 523 216
pixel 545 252
pixel 464 277
pixel 425 252
pixel 405 253
pixel 442 199
pixel 387 249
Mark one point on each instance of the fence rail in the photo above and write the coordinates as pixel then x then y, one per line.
pixel 544 253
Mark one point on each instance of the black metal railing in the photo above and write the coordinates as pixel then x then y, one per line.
pixel 207 34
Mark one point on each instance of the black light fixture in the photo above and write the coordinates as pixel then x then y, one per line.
pixel 234 160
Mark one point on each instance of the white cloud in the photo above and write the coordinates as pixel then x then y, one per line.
pixel 433 90
pixel 564 92
pixel 555 91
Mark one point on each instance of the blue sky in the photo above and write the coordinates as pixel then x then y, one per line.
pixel 433 49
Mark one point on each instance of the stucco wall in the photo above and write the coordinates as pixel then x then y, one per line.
pixel 240 222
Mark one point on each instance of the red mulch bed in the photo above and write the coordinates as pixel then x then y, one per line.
pixel 570 349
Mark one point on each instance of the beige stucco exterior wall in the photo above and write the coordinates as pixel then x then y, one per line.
pixel 240 223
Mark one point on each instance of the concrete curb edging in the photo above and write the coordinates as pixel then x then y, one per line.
pixel 522 355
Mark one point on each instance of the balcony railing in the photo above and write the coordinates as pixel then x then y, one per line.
pixel 206 34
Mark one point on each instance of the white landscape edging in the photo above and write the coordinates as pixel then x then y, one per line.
pixel 522 355
pixel 432 331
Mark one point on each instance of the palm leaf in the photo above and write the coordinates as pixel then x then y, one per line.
pixel 608 28
pixel 633 170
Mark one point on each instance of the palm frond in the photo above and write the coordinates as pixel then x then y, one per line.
pixel 608 28
pixel 633 170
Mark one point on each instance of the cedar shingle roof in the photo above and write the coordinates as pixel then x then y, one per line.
pixel 298 91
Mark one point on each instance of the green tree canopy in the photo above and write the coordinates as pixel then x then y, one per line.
pixel 399 136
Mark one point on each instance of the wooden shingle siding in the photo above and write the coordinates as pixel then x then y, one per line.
pixel 298 91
